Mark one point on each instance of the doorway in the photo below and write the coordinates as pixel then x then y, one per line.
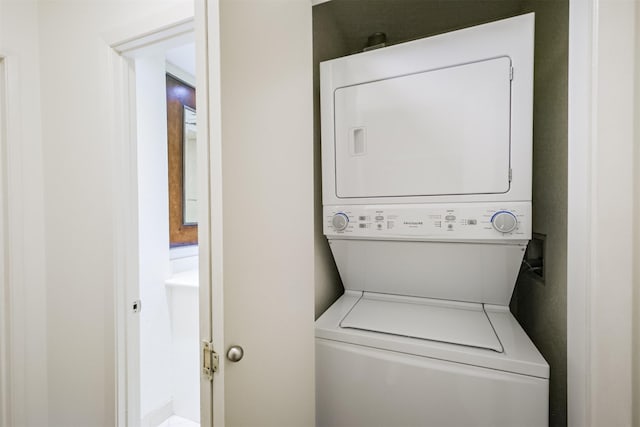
pixel 167 236
pixel 160 174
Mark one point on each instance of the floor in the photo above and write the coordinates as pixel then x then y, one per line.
pixel 176 421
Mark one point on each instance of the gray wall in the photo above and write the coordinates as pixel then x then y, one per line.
pixel 327 43
pixel 539 306
pixel 341 27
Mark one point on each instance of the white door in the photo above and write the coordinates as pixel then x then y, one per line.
pixel 254 82
pixel 261 187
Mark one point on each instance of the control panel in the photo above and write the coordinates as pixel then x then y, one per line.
pixel 461 221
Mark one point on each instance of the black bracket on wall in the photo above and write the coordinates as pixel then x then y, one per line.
pixel 533 262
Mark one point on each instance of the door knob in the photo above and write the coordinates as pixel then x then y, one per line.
pixel 235 353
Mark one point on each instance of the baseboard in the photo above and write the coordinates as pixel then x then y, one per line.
pixel 157 416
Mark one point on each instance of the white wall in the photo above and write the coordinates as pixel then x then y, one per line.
pixel 26 256
pixel 185 349
pixel 612 189
pixel 78 137
pixel 153 234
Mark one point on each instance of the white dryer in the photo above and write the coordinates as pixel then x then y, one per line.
pixel 426 153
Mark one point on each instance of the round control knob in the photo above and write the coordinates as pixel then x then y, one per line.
pixel 504 222
pixel 340 221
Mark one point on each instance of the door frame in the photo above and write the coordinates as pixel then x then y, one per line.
pixel 207 19
pixel 579 113
pixel 5 306
pixel 13 299
pixel 600 172
pixel 122 43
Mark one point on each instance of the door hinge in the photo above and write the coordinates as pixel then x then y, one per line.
pixel 210 359
pixel 510 174
pixel 510 73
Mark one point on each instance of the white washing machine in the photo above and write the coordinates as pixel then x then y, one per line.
pixel 426 152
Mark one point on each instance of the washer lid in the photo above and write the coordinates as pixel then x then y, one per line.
pixel 437 320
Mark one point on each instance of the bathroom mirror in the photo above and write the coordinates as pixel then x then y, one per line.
pixel 182 157
pixel 189 181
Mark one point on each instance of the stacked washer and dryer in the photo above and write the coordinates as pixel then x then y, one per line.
pixel 426 153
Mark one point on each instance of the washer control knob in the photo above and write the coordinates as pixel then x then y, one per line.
pixel 504 222
pixel 340 221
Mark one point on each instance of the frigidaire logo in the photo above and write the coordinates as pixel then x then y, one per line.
pixel 412 222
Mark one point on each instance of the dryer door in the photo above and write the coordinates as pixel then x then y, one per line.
pixel 438 132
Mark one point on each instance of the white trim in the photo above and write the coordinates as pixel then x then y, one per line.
pixel 125 241
pixel 181 74
pixel 210 206
pixel 14 244
pixel 5 371
pixel 171 32
pixel 579 210
pixel 600 194
pixel 163 25
pixel 209 30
